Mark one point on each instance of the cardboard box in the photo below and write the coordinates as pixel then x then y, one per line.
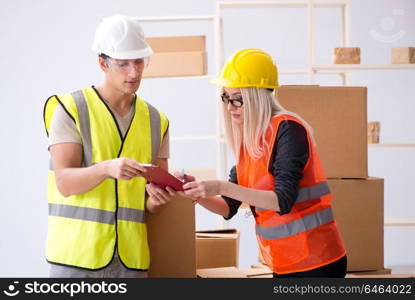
pixel 358 211
pixel 403 55
pixel 171 239
pixel 176 56
pixel 370 273
pixel 229 272
pixel 338 116
pixel 257 272
pixel 217 248
pixel 232 272
pixel 385 276
pixel 383 273
pixel 261 265
pixel 346 55
pixel 373 132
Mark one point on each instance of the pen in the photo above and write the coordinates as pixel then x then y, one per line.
pixel 184 179
pixel 183 175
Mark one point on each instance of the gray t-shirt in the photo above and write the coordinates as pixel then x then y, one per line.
pixel 63 130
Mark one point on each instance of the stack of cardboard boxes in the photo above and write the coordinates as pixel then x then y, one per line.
pixel 338 116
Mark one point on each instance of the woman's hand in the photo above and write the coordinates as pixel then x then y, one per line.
pixel 187 178
pixel 202 189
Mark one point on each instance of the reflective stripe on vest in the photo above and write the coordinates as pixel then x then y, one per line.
pixel 298 226
pixel 155 131
pixel 85 132
pixel 309 193
pixel 82 107
pixel 96 215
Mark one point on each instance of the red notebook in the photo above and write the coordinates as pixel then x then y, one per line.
pixel 162 178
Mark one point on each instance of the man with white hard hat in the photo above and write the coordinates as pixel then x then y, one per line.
pixel 99 137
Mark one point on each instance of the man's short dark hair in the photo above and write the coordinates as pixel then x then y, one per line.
pixel 104 56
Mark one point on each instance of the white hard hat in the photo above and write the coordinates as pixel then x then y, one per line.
pixel 121 37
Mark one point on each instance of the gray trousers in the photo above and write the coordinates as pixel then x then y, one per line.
pixel 114 270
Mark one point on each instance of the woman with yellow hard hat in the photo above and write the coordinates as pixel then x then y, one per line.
pixel 278 173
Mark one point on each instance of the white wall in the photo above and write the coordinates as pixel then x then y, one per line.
pixel 45 50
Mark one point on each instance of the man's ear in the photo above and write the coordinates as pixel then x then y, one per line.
pixel 103 64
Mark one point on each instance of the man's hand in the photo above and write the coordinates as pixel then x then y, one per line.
pixel 124 168
pixel 158 196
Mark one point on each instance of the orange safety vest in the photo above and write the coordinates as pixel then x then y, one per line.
pixel 307 237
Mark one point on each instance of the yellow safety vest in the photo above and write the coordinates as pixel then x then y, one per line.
pixel 84 230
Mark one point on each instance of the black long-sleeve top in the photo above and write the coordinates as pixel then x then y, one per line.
pixel 289 156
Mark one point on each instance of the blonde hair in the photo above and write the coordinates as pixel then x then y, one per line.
pixel 260 105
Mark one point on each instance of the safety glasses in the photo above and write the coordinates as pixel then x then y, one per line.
pixel 126 65
pixel 237 102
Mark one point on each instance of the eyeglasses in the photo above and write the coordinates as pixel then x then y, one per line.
pixel 125 65
pixel 237 102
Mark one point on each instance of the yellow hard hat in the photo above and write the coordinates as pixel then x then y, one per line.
pixel 248 68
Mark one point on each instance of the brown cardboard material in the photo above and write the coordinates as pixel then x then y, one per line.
pixel 382 273
pixel 176 56
pixel 257 272
pixel 370 273
pixel 373 132
pixel 346 55
pixel 261 264
pixel 177 43
pixel 403 55
pixel 358 211
pixel 217 248
pixel 232 272
pixel 229 272
pixel 171 240
pixel 338 116
pixel 386 276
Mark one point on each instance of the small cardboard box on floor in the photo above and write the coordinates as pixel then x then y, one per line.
pixel 176 56
pixel 358 210
pixel 338 116
pixel 217 248
pixel 171 235
pixel 227 272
